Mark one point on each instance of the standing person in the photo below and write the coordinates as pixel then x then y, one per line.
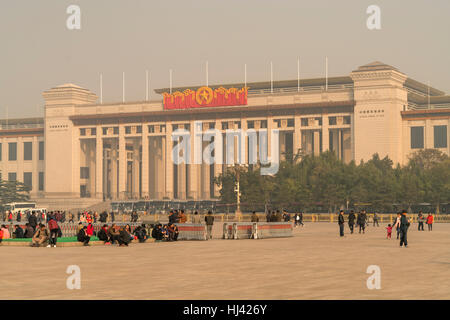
pixel 341 223
pixel 196 218
pixel 70 217
pixel 83 218
pixel 300 221
pixel 375 219
pixel 404 225
pixel 90 230
pixel 54 228
pixel 33 221
pixel 362 221
pixel 287 216
pixel 79 216
pixel 389 231
pixel 268 216
pixel 209 219
pixel 420 220
pixel 103 217
pixel 397 224
pixel 351 220
pixel 430 222
pixel 19 216
pixel 10 216
pixel 182 217
pixel 6 233
pixel 254 217
pixel 112 216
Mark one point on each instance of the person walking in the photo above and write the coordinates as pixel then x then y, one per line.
pixel 111 214
pixel 430 222
pixel 375 219
pixel 19 216
pixel 209 219
pixel 362 221
pixel 54 228
pixel 420 220
pixel 404 225
pixel 341 222
pixel 351 220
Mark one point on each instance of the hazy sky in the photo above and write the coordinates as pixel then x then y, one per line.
pixel 38 52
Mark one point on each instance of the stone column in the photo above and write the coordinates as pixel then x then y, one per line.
pixel 325 133
pixel 98 165
pixel 114 169
pixel 35 166
pixel 316 142
pixel 297 136
pixel 194 169
pixel 135 169
pixel 145 164
pixel 168 165
pixel 122 163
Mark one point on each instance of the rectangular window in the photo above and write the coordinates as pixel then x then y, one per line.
pixel 417 137
pixel 28 151
pixel 116 130
pixel 264 124
pixel 304 122
pixel 12 176
pixel 105 131
pixel 290 123
pixel 347 120
pixel 127 130
pixel 41 181
pixel 12 151
pixel 93 131
pixel 84 172
pixel 41 150
pixel 332 121
pixel 440 136
pixel 250 124
pixel 139 129
pixel 82 132
pixel 151 129
pixel 28 179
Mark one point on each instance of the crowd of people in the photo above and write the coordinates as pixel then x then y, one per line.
pixel 401 224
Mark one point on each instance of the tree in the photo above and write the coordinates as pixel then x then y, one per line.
pixel 13 191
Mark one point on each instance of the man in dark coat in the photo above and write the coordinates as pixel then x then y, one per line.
pixel 33 221
pixel 362 221
pixel 341 223
pixel 29 231
pixel 103 217
pixel 404 225
pixel 18 232
pixel 351 220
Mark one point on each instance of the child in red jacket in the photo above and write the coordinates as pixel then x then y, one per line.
pixel 389 231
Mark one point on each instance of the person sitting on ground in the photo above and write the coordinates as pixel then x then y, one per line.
pixel 141 233
pixel 157 233
pixel 6 233
pixel 18 232
pixel 254 217
pixel 83 236
pixel 79 227
pixel 128 230
pixel 29 231
pixel 124 237
pixel 103 234
pixel 40 236
pixel 114 233
pixel 172 232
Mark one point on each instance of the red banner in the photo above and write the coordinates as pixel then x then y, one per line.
pixel 205 97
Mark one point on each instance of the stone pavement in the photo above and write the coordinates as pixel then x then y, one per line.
pixel 314 264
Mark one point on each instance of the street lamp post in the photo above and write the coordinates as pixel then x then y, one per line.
pixel 237 171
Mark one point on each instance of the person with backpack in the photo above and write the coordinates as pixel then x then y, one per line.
pixel 54 230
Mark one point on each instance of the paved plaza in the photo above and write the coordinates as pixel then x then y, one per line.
pixel 314 264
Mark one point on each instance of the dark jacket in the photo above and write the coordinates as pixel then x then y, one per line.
pixel 341 219
pixel 209 219
pixel 32 221
pixel 404 223
pixel 18 233
pixel 351 218
pixel 29 232
pixel 82 235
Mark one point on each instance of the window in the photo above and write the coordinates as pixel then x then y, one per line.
pixel 264 124
pixel 224 125
pixel 116 130
pixel 82 132
pixel 332 121
pixel 127 130
pixel 151 129
pixel 347 120
pixel 304 122
pixel 290 123
pixel 84 172
pixel 93 131
pixel 12 151
pixel 250 124
pixel 41 150
pixel 28 151
pixel 28 179
pixel 105 131
pixel 12 176
pixel 440 136
pixel 139 129
pixel 417 137
pixel 41 181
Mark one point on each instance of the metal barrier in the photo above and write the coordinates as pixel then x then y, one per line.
pixel 273 230
pixel 227 230
pixel 243 230
pixel 189 231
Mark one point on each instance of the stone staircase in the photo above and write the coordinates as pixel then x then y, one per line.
pixel 72 204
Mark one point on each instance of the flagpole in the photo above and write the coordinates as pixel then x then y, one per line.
pixel 123 87
pixel 170 81
pixel 326 73
pixel 146 85
pixel 101 88
pixel 271 77
pixel 245 75
pixel 298 74
pixel 207 73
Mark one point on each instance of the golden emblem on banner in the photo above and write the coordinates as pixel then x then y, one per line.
pixel 204 95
